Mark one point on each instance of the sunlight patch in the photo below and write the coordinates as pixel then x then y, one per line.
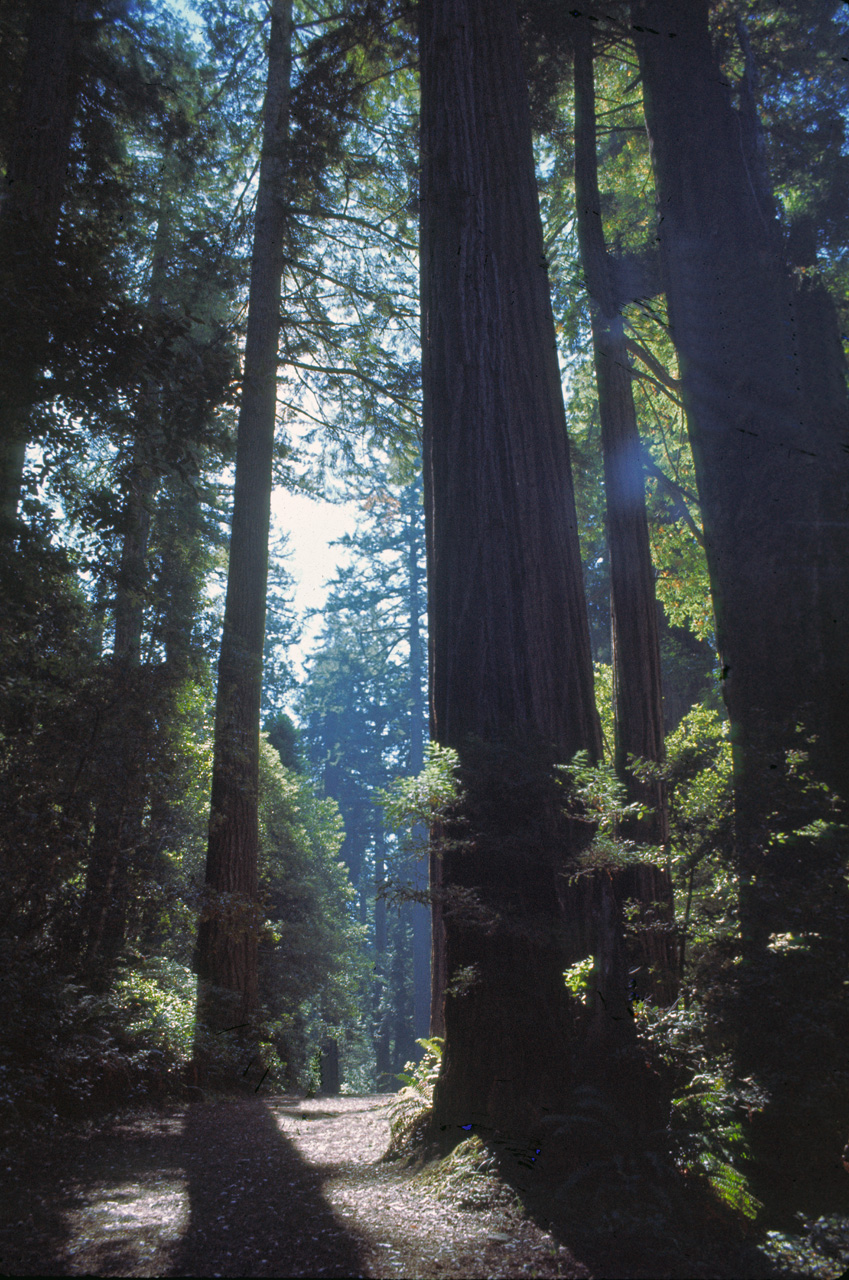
pixel 128 1229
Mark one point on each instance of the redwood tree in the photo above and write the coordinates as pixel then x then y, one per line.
pixel 763 383
pixel 638 701
pixel 421 924
pixel 510 668
pixel 226 958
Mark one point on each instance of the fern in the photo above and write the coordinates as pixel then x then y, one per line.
pixel 731 1186
pixel 415 1099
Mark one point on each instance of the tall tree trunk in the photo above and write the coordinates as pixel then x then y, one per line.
pixel 638 699
pixel 764 388
pixel 32 199
pixel 765 393
pixel 421 921
pixel 380 990
pixel 118 822
pixel 226 956
pixel 510 669
pixel 142 478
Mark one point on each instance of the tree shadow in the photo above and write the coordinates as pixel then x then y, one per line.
pixel 33 1215
pixel 255 1206
pixel 214 1188
pixel 86 1201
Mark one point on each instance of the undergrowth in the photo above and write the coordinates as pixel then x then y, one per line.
pixel 412 1104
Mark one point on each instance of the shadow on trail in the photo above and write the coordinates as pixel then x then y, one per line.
pixel 255 1206
pixel 212 1189
pixel 90 1201
pixel 33 1228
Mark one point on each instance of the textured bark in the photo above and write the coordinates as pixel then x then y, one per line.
pixel 438 958
pixel 638 699
pixel 509 644
pixel 764 388
pixel 32 199
pixel 227 942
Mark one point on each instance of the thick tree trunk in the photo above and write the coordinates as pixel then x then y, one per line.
pixel 509 644
pixel 227 936
pixel 32 198
pixel 638 699
pixel 764 388
pixel 765 393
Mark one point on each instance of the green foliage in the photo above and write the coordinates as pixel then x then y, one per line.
pixel 415 1099
pixel 711 1109
pixel 414 803
pixel 603 686
pixel 313 965
pixel 595 795
pixel 580 978
pixel 155 999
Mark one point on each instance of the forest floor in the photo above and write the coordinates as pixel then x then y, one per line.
pixel 280 1186
pixel 275 1186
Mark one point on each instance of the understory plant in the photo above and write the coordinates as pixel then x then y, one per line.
pixel 413 1102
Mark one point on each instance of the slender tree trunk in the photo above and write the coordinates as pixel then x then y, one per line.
pixel 422 941
pixel 227 936
pixel 510 668
pixel 32 199
pixel 118 823
pixel 638 699
pixel 380 992
pixel 142 478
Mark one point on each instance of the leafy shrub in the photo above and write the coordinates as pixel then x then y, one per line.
pixel 155 1001
pixel 710 1107
pixel 412 804
pixel 415 1100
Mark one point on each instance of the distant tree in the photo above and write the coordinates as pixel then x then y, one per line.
pixel 284 738
pixel 361 709
pixel 312 959
pixel 636 651
pixel 282 630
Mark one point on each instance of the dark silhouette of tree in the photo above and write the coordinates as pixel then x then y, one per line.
pixel 227 942
pixel 766 404
pixel 763 383
pixel 36 168
pixel 509 645
pixel 637 692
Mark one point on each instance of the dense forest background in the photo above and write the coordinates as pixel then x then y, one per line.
pixel 219 226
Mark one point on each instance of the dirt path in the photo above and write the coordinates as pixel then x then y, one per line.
pixel 274 1187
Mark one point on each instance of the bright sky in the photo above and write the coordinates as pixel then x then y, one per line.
pixel 311 525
